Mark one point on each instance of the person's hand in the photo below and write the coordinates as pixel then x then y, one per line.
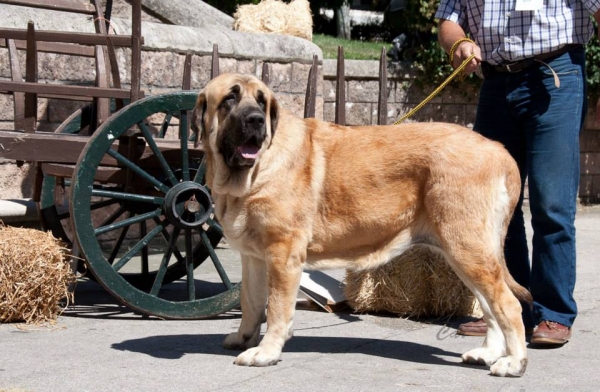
pixel 463 51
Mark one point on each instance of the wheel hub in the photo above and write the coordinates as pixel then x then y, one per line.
pixel 188 205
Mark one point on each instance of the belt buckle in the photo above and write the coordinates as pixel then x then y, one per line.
pixel 512 67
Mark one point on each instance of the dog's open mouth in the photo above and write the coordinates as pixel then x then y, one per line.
pixel 249 150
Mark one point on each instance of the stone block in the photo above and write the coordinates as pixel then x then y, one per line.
pixel 162 69
pixel 365 91
pixel 329 112
pixel 299 80
pixel 292 102
pixel 359 113
pixel 201 70
pixel 329 88
pixel 228 65
pixel 59 67
pixel 248 67
pixel 280 76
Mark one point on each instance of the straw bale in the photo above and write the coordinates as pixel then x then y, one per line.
pixel 34 276
pixel 275 16
pixel 417 284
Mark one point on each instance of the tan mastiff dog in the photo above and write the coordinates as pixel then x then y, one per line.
pixel 296 193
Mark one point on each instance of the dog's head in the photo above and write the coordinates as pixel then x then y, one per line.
pixel 235 116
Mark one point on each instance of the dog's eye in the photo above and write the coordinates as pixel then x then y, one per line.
pixel 229 100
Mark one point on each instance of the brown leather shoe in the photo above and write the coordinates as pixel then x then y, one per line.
pixel 550 333
pixel 473 328
pixel 479 328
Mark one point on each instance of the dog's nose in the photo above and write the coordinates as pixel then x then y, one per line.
pixel 255 120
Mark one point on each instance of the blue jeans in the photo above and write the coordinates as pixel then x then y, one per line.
pixel 539 125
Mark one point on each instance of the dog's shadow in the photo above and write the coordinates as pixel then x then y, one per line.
pixel 176 346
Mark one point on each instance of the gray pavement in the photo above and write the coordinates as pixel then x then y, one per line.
pixel 99 345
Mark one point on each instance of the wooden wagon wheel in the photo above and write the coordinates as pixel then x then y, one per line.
pixel 161 187
pixel 56 217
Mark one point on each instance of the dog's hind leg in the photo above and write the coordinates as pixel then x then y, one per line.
pixel 284 270
pixel 253 299
pixel 504 346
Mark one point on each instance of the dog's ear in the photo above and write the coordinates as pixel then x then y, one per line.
pixel 198 118
pixel 273 115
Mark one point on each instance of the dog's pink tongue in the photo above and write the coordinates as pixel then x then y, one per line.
pixel 249 151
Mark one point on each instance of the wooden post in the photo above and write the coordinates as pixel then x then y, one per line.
pixel 340 90
pixel 382 100
pixel 310 100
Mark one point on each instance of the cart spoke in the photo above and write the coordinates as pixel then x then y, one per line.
pixel 215 226
pixel 164 263
pixel 113 217
pixel 215 260
pixel 183 135
pixel 117 247
pixel 199 177
pixel 157 153
pixel 102 204
pixel 165 126
pixel 127 222
pixel 136 248
pixel 137 170
pixel 128 196
pixel 170 240
pixel 189 265
pixel 143 232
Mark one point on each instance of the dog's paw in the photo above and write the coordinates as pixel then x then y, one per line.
pixel 237 341
pixel 257 356
pixel 509 366
pixel 481 356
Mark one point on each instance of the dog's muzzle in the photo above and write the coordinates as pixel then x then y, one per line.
pixel 242 143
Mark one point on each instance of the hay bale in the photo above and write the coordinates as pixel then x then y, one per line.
pixel 417 284
pixel 275 16
pixel 34 275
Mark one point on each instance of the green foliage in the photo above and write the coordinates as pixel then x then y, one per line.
pixel 353 50
pixel 592 57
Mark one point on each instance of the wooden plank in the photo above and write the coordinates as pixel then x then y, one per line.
pixel 57 5
pixel 65 148
pixel 58 48
pixel 70 37
pixel 17 76
pixel 310 99
pixel 136 49
pixel 340 90
pixel 265 74
pixel 31 76
pixel 214 66
pixel 186 83
pixel 61 89
pixel 382 99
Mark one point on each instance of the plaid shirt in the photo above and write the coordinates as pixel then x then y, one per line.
pixel 505 35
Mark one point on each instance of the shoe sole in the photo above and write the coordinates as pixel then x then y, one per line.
pixel 548 341
pixel 468 333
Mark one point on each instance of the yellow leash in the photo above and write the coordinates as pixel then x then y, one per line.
pixel 457 71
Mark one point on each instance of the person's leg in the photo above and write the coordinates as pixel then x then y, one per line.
pixel 495 121
pixel 552 118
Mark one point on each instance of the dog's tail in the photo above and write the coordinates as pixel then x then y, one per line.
pixel 519 291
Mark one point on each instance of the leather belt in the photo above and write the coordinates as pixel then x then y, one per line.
pixel 518 66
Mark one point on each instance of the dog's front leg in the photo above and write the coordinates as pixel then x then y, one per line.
pixel 253 300
pixel 284 269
